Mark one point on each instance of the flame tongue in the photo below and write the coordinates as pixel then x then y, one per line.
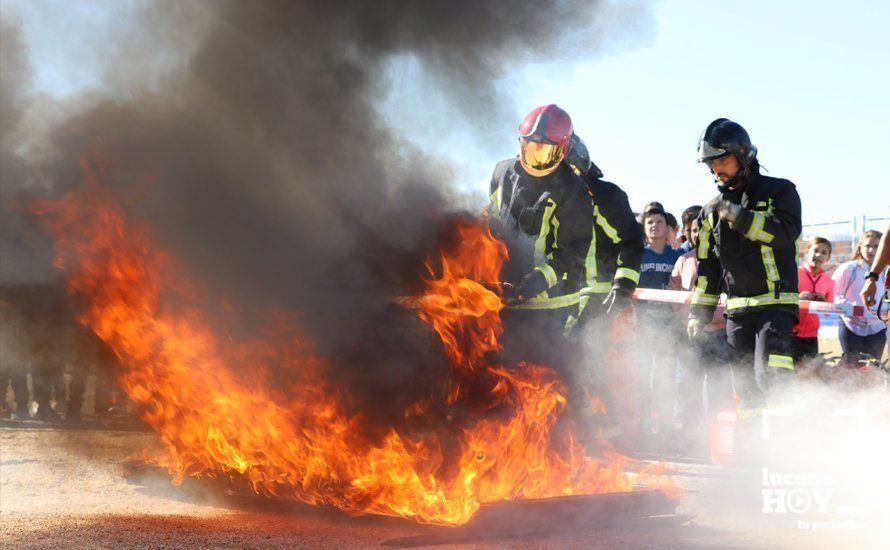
pixel 206 398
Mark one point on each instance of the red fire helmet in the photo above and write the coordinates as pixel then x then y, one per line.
pixel 544 139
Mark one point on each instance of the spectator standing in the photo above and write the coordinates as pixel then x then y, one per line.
pixel 13 365
pixel 686 218
pixel 882 258
pixel 17 376
pixel 658 258
pixel 879 264
pixel 815 285
pixel 673 231
pixel 658 327
pixel 49 348
pixel 654 205
pixel 865 334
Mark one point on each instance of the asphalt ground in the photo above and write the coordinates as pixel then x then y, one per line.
pixel 80 488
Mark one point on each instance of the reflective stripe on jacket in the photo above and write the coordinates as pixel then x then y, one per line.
pixel 557 213
pixel 755 261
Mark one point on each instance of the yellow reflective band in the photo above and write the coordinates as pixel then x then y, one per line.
pixel 701 284
pixel 596 288
pixel 700 296
pixel 704 299
pixel 495 199
pixel 781 361
pixel 610 231
pixel 745 414
pixel 582 303
pixel 549 303
pixel 569 326
pixel 590 262
pixel 769 299
pixel 704 238
pixel 756 226
pixel 555 223
pixel 549 274
pixel 756 232
pixel 627 273
pixel 769 264
pixel 541 240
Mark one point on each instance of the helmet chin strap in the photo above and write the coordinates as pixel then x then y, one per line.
pixel 736 180
pixel 730 185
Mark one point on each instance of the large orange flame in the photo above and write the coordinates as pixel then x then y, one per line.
pixel 205 395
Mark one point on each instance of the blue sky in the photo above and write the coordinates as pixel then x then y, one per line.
pixel 809 80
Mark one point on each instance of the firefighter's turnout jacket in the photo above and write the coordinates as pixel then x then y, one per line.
pixel 755 262
pixel 617 240
pixel 584 241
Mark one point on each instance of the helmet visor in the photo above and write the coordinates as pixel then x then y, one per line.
pixel 539 159
pixel 707 152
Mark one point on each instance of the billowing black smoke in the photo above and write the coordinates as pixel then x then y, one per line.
pixel 262 164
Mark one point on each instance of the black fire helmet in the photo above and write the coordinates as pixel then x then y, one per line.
pixel 724 137
pixel 579 159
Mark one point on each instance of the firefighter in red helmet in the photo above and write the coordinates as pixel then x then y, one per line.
pixel 532 195
pixel 542 209
pixel 545 216
pixel 544 139
pixel 545 207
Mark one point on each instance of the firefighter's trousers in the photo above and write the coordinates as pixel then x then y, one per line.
pixel 761 348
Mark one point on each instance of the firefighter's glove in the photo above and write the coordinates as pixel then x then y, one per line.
pixel 695 328
pixel 512 295
pixel 508 293
pixel 729 211
pixel 532 284
pixel 617 300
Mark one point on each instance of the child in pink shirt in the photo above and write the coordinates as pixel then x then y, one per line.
pixel 815 285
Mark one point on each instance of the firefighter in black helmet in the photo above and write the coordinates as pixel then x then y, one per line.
pixel 748 249
pixel 605 326
pixel 617 244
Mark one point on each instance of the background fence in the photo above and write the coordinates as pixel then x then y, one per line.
pixel 843 234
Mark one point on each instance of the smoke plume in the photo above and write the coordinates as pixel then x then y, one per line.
pixel 259 157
